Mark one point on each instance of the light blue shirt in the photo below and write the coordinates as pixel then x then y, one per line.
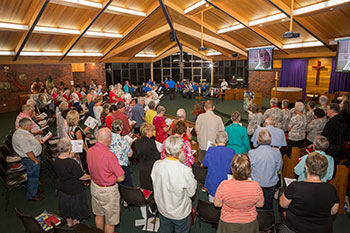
pixel 299 169
pixel 278 138
pixel 265 161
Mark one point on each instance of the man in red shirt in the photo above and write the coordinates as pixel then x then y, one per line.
pixel 105 172
pixel 120 115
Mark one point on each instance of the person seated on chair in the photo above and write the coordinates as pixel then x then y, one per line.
pixel 238 199
pixel 310 203
pixel 218 161
pixel 266 162
pixel 174 185
pixel 320 145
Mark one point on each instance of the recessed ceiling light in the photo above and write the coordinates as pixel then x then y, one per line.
pixel 207 5
pixel 283 20
pixel 331 9
pixel 260 25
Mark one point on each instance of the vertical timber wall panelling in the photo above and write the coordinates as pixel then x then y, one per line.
pixel 92 71
pixel 325 75
pixel 26 74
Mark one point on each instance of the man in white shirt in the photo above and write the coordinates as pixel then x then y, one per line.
pixel 29 148
pixel 207 126
pixel 224 86
pixel 173 187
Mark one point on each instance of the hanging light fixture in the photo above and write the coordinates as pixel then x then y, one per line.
pixel 202 48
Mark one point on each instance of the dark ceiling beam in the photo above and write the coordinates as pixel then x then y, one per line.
pixel 167 16
pixel 85 28
pixel 32 23
pixel 129 33
pixel 286 10
pixel 245 24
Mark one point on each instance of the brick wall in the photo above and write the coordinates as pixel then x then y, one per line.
pixel 9 98
pixel 262 80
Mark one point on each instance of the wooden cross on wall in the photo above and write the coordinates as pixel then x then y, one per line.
pixel 318 68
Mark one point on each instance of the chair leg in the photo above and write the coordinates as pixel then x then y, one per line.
pixel 146 220
pixel 7 195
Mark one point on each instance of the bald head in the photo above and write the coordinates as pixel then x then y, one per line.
pixel 104 136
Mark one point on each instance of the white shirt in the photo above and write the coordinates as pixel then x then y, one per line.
pixel 98 111
pixel 24 142
pixel 173 187
pixel 224 85
pixel 75 97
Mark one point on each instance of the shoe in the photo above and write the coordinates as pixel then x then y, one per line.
pixel 36 199
pixel 39 191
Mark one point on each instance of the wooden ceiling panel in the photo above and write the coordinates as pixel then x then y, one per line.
pixel 86 44
pixel 216 18
pixel 332 24
pixel 302 3
pixel 247 38
pixel 140 5
pixel 17 11
pixel 252 9
pixel 9 40
pixel 45 42
pixel 184 3
pixel 113 23
pixel 158 44
pixel 65 16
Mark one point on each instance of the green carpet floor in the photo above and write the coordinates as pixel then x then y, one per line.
pixel 9 223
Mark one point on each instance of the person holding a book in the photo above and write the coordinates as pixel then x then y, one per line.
pixel 72 201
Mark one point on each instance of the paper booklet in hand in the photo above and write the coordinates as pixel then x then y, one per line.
pixel 91 122
pixel 159 146
pixel 42 115
pixel 46 137
pixel 77 146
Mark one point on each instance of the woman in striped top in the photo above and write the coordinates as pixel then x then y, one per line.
pixel 239 198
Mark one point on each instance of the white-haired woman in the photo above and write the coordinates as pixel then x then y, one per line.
pixel 128 107
pixel 297 127
pixel 255 119
pixel 72 201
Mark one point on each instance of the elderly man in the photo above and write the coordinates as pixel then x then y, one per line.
pixel 321 144
pixel 278 138
pixel 29 148
pixel 335 132
pixel 266 162
pixel 274 112
pixel 173 185
pixel 181 116
pixel 207 126
pixel 27 112
pixel 138 114
pixel 120 115
pixel 105 172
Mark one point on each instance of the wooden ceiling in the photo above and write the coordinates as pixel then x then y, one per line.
pixel 66 31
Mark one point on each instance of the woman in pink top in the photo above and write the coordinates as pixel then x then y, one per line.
pixel 179 129
pixel 160 125
pixel 239 198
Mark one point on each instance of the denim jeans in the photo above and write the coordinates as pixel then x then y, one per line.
pixel 169 225
pixel 33 172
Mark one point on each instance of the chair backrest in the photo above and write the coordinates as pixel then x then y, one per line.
pixel 266 219
pixel 207 212
pixel 133 196
pixel 4 151
pixel 29 223
pixel 9 137
pixel 200 173
pixel 9 145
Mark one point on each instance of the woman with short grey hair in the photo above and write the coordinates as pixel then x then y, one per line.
pixel 255 119
pixel 297 127
pixel 122 149
pixel 160 125
pixel 237 135
pixel 218 161
pixel 72 201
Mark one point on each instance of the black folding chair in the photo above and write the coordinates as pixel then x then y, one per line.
pixel 208 213
pixel 266 220
pixel 134 197
pixel 30 224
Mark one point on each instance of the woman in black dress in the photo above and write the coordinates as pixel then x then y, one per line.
pixel 310 203
pixel 72 201
pixel 76 133
pixel 147 153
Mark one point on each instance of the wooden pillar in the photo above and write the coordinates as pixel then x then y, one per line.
pixel 152 72
pixel 212 74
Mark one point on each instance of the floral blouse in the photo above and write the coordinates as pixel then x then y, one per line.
pixel 187 151
pixel 121 148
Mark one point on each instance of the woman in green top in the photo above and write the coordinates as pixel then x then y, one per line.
pixel 237 135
